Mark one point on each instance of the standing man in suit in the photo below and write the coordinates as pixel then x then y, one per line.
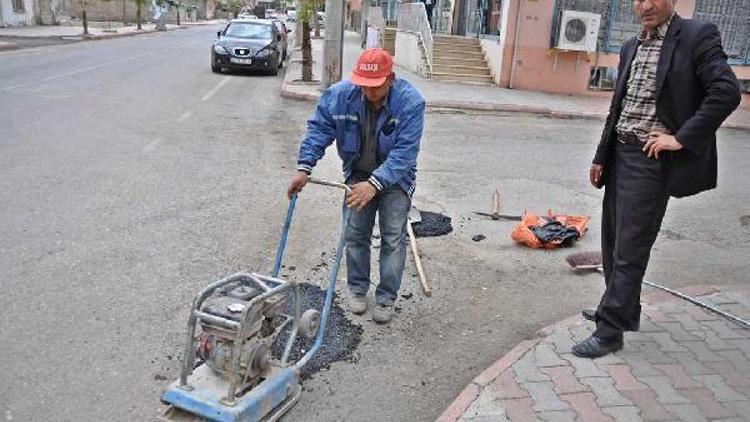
pixel 674 90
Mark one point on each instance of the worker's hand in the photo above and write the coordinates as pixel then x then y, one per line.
pixel 595 175
pixel 298 182
pixel 361 194
pixel 658 141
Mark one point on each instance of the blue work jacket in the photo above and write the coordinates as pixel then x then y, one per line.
pixel 340 116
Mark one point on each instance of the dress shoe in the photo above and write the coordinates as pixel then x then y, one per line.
pixel 589 314
pixel 595 347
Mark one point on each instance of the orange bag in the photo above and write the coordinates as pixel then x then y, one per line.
pixel 523 234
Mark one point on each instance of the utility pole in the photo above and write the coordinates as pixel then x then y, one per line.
pixel 334 43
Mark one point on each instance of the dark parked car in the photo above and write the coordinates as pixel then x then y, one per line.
pixel 247 44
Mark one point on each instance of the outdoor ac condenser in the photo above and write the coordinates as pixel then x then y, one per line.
pixel 578 31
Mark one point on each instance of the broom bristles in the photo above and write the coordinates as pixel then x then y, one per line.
pixel 585 260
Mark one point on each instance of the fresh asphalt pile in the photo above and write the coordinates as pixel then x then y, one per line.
pixel 339 342
pixel 432 224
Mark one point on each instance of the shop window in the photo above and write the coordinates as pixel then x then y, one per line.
pixel 603 78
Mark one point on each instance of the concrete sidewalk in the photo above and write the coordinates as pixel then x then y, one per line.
pixel 467 97
pixel 9 37
pixel 685 364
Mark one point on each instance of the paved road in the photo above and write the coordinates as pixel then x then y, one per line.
pixel 131 176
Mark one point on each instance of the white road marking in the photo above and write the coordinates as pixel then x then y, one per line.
pixel 75 72
pixel 186 115
pixel 216 89
pixel 151 146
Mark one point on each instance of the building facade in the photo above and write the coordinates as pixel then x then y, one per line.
pixel 17 12
pixel 521 39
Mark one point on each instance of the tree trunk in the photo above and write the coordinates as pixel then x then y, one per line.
pixel 85 21
pixel 306 53
pixel 178 14
pixel 138 13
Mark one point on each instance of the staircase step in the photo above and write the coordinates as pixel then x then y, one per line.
pixel 455 40
pixel 454 77
pixel 438 43
pixel 462 61
pixel 458 55
pixel 454 50
pixel 462 70
pixel 454 81
pixel 457 48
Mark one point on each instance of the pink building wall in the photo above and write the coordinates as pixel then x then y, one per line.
pixel 540 68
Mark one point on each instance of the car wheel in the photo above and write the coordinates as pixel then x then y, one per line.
pixel 275 69
pixel 215 69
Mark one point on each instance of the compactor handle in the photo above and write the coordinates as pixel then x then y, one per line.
pixel 327 183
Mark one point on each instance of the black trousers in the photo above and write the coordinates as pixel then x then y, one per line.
pixel 428 9
pixel 635 200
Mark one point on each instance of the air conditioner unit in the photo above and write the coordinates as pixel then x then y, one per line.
pixel 578 31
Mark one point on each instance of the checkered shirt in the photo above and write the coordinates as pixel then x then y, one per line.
pixel 638 116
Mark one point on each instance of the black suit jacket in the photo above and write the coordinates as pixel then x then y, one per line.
pixel 695 91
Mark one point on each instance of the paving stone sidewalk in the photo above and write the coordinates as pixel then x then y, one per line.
pixel 463 96
pixel 685 364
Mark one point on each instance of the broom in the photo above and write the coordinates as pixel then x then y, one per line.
pixel 583 261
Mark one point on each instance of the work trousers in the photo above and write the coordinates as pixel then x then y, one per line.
pixel 392 206
pixel 635 200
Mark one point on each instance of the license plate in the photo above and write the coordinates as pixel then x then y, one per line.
pixel 241 61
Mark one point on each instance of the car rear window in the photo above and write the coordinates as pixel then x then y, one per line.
pixel 249 30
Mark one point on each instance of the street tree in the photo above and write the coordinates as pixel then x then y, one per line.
pixel 306 12
pixel 138 8
pixel 83 16
pixel 178 4
pixel 234 6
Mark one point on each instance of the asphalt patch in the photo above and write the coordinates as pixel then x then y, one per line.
pixel 432 224
pixel 340 340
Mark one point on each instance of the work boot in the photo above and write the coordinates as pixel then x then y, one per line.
pixel 357 304
pixel 382 313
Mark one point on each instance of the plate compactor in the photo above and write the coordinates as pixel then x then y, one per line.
pixel 232 327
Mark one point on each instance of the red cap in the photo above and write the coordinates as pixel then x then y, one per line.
pixel 373 67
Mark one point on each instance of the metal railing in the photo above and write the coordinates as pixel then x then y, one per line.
pixel 413 17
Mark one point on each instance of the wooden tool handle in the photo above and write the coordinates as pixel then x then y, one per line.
pixel 418 260
pixel 495 204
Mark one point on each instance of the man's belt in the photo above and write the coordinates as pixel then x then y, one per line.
pixel 629 139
